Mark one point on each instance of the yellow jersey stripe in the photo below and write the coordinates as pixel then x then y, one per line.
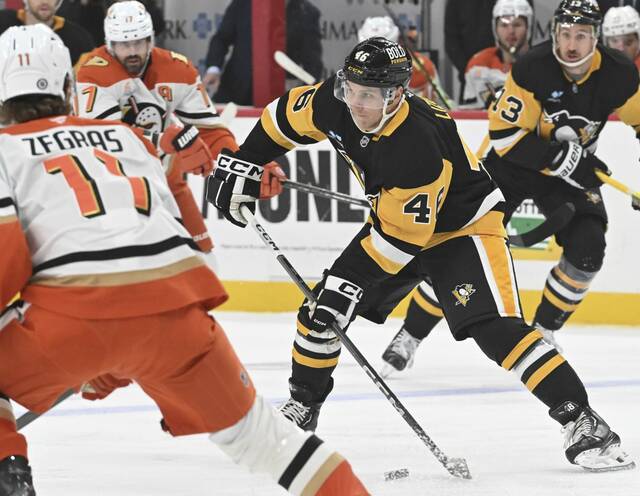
pixel 273 132
pixel 386 264
pixel 426 305
pixel 501 269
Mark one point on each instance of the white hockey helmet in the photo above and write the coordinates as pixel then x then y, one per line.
pixel 127 21
pixel 513 8
pixel 383 26
pixel 620 20
pixel 33 60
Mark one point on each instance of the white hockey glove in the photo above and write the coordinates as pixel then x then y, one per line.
pixel 577 166
pixel 336 302
pixel 234 182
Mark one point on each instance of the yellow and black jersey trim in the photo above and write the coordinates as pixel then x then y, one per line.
pixel 289 120
pixel 629 113
pixel 515 113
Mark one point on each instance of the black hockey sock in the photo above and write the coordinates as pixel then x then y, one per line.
pixel 423 315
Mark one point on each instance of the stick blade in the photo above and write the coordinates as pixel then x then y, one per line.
pixel 552 224
pixel 458 468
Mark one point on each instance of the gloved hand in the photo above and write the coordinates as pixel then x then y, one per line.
pixel 102 386
pixel 234 182
pixel 336 302
pixel 192 153
pixel 577 166
pixel 272 179
pixel 635 202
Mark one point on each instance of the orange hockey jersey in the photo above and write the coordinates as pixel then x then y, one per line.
pixel 484 77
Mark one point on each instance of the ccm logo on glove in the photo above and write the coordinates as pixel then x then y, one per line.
pixel 240 167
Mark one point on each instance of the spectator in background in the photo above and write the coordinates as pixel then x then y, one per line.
pixel 73 35
pixel 467 30
pixel 233 79
pixel 621 30
pixel 91 13
pixel 605 5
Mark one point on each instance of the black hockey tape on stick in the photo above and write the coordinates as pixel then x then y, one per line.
pixel 455 466
pixel 28 417
pixel 551 225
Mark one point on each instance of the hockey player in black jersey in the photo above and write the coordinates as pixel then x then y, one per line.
pixel 435 211
pixel 544 131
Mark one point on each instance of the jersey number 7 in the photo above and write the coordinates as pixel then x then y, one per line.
pixel 85 188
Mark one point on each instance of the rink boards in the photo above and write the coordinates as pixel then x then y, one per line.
pixel 312 231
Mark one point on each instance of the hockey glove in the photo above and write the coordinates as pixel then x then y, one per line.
pixel 192 153
pixel 635 202
pixel 234 182
pixel 336 302
pixel 272 179
pixel 102 386
pixel 577 166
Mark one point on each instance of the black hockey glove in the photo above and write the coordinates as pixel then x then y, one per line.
pixel 577 166
pixel 234 182
pixel 336 302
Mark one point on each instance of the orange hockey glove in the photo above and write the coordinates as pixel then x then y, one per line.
pixel 192 153
pixel 271 182
pixel 102 386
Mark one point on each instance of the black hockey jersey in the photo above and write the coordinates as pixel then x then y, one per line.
pixel 541 106
pixel 424 183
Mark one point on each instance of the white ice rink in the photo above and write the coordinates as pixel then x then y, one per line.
pixel 467 404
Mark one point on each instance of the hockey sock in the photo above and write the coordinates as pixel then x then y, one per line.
pixel 423 314
pixel 565 288
pixel 11 443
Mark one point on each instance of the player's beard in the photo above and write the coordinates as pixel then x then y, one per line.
pixel 133 64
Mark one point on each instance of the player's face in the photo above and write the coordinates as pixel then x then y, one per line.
pixel 511 31
pixel 132 54
pixel 626 43
pixel 366 104
pixel 42 10
pixel 574 42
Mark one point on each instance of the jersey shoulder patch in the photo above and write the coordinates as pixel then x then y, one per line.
pixel 99 67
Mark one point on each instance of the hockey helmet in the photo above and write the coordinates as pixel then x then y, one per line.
pixel 619 21
pixel 513 8
pixel 378 62
pixel 127 21
pixel 33 60
pixel 383 26
pixel 583 12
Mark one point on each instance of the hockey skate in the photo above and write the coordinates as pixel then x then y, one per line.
pixel 549 336
pixel 15 477
pixel 590 443
pixel 400 353
pixel 301 408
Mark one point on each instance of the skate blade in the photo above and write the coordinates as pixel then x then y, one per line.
pixel 612 459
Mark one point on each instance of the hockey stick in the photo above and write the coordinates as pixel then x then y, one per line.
pixel 325 193
pixel 552 224
pixel 283 60
pixel 446 101
pixel 455 466
pixel 635 195
pixel 28 417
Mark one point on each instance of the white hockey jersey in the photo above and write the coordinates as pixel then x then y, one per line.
pixel 484 77
pixel 170 85
pixel 93 205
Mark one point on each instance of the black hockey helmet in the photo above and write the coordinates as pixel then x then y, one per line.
pixel 584 12
pixel 378 62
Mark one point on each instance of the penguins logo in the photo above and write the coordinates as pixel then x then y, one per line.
pixel 567 127
pixel 462 293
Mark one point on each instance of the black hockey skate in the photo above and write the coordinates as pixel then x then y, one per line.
pixel 15 477
pixel 400 353
pixel 589 442
pixel 302 409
